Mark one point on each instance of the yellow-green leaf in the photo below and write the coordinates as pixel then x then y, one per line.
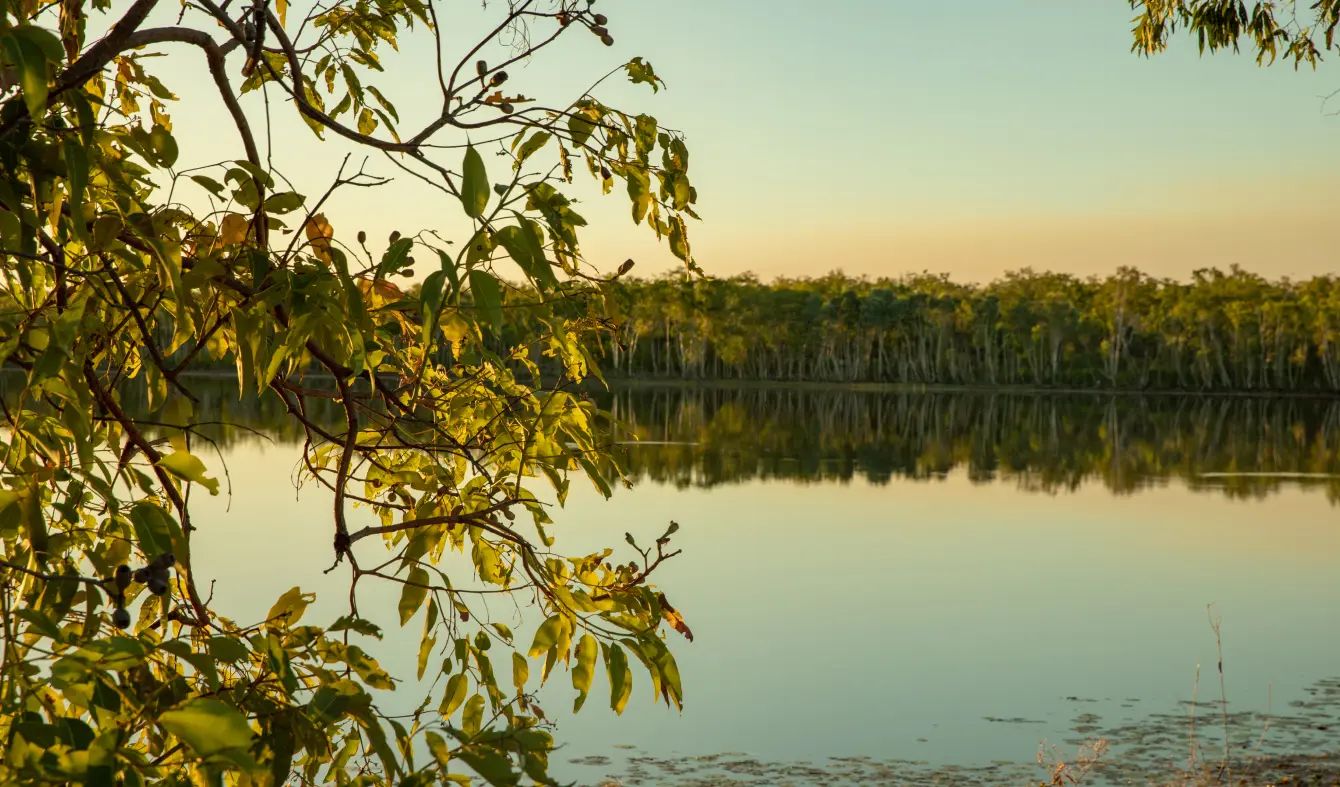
pixel 454 695
pixel 289 607
pixel 546 636
pixel 474 184
pixel 520 671
pixel 621 680
pixel 413 593
pixel 472 718
pixel 208 726
pixel 189 467
pixel 583 670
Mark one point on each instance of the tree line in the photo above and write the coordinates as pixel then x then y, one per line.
pixel 1222 330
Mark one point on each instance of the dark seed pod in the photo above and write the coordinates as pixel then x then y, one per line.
pixel 625 267
pixel 166 560
pixel 407 273
pixel 158 583
pixel 600 30
pixel 122 576
pixel 607 40
pixel 141 575
pixel 601 19
pixel 605 173
pixel 362 237
pixel 498 78
pixel 506 108
pixel 395 236
pixel 121 618
pixel 481 67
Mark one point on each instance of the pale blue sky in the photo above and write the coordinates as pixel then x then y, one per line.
pixel 884 136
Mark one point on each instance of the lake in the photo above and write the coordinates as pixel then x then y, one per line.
pixel 916 587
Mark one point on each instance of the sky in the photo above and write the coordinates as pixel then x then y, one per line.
pixel 883 137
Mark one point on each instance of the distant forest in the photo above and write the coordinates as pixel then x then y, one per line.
pixel 1223 330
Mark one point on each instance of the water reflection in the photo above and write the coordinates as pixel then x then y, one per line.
pixel 1240 446
pixel 688 436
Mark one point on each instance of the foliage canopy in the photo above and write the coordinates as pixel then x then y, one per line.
pixel 1275 29
pixel 124 271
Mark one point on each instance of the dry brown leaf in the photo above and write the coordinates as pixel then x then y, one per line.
pixel 675 619
pixel 233 229
pixel 319 234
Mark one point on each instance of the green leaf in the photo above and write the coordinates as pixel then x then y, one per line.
pixel 367 122
pixel 640 72
pixel 425 651
pixel 525 244
pixel 227 649
pixel 520 671
pixel 209 184
pixel 581 128
pixel 208 726
pixel 438 746
pixel 457 686
pixel 289 607
pixel 621 680
pixel 361 625
pixel 546 636
pixel 284 202
pixel 490 764
pixel 474 184
pixel 395 257
pixel 163 144
pixel 76 168
pixel 537 140
pixel 412 593
pixel 430 302
pixel 368 669
pixel 189 467
pixel 583 669
pixel 156 531
pixel 487 294
pixel 31 63
pixel 472 718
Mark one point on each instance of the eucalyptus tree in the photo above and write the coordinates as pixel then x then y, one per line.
pixel 1225 330
pixel 125 269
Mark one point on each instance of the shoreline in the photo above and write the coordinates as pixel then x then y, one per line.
pixel 616 383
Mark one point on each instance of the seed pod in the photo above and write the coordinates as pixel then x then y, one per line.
pixel 506 107
pixel 626 267
pixel 601 19
pixel 481 67
pixel 607 40
pixel 605 173
pixel 122 578
pixel 362 237
pixel 165 560
pixel 600 30
pixel 158 583
pixel 141 575
pixel 395 236
pixel 498 78
pixel 407 273
pixel 121 618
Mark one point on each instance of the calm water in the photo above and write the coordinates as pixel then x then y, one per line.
pixel 941 578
